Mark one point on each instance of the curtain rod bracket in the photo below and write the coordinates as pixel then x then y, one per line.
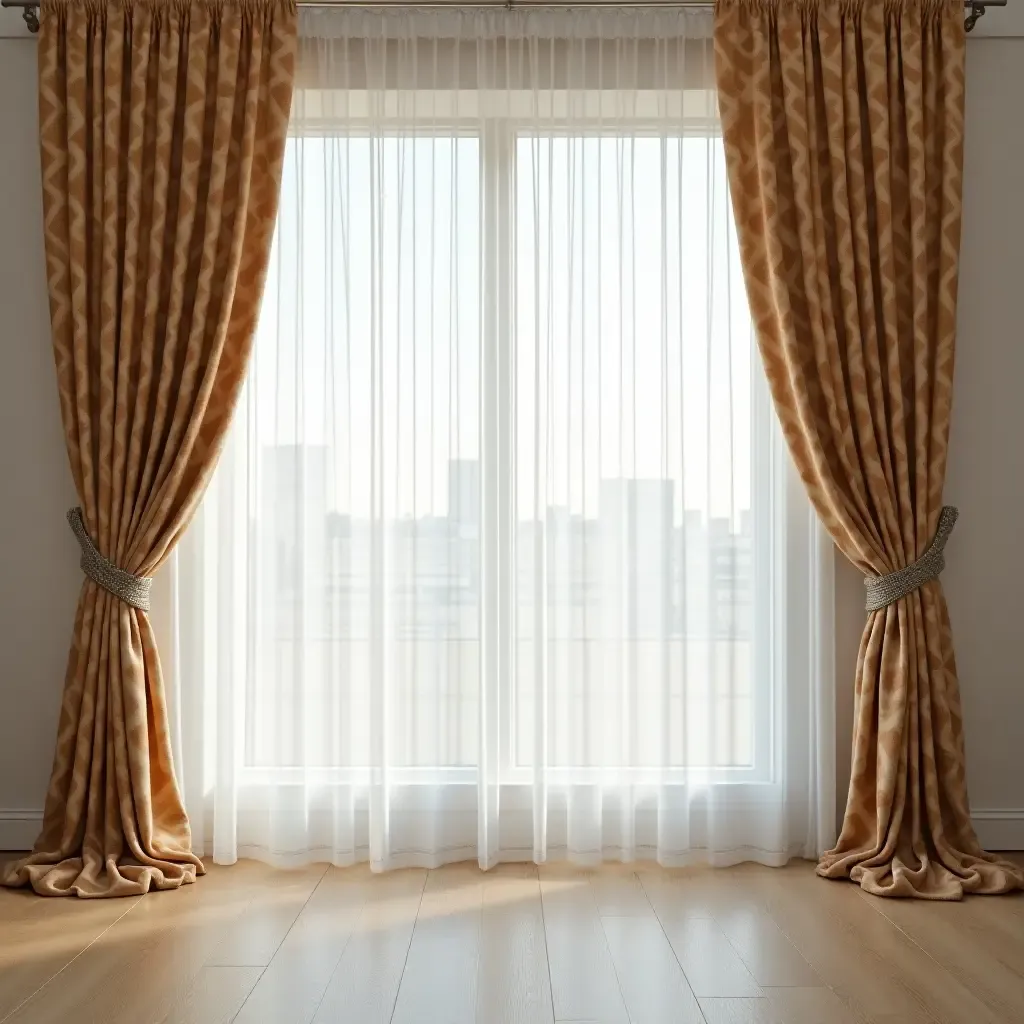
pixel 29 15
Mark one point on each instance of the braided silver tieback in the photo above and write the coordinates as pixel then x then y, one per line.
pixel 886 590
pixel 133 590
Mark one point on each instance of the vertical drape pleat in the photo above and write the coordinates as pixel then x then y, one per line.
pixel 162 129
pixel 843 125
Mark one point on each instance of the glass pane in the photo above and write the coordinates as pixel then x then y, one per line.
pixel 633 466
pixel 363 457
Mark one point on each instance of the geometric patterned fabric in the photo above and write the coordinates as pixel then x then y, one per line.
pixel 162 131
pixel 844 128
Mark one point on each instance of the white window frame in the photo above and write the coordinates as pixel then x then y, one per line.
pixel 770 470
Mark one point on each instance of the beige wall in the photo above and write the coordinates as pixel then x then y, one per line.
pixel 985 578
pixel 38 564
pixel 38 557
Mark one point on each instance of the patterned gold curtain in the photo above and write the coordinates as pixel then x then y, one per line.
pixel 162 129
pixel 844 123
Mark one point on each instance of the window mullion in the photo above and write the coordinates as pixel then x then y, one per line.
pixel 497 464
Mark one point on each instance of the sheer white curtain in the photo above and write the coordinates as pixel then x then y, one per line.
pixel 504 559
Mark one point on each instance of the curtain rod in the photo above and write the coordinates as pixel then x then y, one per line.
pixel 974 8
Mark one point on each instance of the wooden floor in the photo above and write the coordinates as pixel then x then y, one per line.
pixel 521 945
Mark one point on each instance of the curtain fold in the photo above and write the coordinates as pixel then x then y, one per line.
pixel 491 567
pixel 162 130
pixel 843 126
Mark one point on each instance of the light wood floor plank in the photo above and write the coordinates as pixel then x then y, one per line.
pixel 20 906
pixel 862 979
pixel 685 895
pixel 38 945
pixel 874 968
pixel 943 995
pixel 979 941
pixel 711 965
pixel 364 986
pixel 766 952
pixel 164 939
pixel 290 990
pixel 724 1010
pixel 214 995
pixel 584 985
pixel 769 956
pixel 513 986
pixel 650 978
pixel 439 981
pixel 618 893
pixel 817 1005
pixel 256 934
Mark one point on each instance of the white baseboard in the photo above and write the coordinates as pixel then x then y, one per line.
pixel 1001 829
pixel 19 828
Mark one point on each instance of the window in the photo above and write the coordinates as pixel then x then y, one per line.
pixel 584 264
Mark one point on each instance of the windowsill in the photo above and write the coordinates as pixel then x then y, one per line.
pixel 459 790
